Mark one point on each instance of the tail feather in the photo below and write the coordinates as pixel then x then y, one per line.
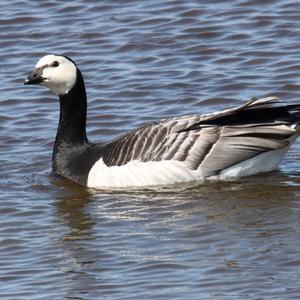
pixel 257 111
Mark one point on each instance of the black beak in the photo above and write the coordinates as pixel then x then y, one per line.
pixel 35 77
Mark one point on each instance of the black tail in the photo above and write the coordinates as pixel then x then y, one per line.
pixel 256 115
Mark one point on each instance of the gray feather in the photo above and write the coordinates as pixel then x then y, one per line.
pixel 201 143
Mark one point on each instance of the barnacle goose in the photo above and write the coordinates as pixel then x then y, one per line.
pixel 235 142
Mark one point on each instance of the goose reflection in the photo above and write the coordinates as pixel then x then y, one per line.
pixel 233 204
pixel 71 208
pixel 109 232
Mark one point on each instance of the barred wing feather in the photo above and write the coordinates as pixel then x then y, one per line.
pixel 202 143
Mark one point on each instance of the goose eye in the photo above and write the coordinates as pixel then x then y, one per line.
pixel 55 64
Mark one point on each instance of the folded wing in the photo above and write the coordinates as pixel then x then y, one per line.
pixel 210 142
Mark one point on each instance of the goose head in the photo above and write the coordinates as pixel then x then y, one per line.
pixel 56 72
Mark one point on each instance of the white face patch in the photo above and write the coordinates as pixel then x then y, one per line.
pixel 59 73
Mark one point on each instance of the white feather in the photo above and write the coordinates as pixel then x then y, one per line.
pixel 168 172
pixel 138 174
pixel 61 79
pixel 264 162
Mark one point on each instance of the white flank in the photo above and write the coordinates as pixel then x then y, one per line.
pixel 168 172
pixel 264 162
pixel 140 174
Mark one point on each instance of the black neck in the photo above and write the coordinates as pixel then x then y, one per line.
pixel 72 119
pixel 73 155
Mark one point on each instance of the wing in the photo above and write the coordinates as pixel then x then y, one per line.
pixel 210 142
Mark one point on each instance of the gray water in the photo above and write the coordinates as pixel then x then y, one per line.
pixel 142 61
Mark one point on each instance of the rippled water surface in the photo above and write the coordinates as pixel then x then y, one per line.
pixel 144 60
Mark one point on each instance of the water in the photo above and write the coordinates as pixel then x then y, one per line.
pixel 144 60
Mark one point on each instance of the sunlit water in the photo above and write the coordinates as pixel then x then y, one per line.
pixel 144 60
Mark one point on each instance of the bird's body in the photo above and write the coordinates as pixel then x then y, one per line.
pixel 236 142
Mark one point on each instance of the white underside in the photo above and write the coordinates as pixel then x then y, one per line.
pixel 264 162
pixel 168 172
